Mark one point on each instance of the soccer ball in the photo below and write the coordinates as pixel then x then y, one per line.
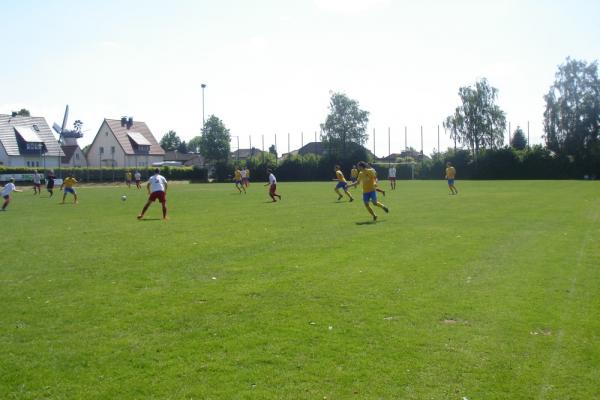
pixel 123 197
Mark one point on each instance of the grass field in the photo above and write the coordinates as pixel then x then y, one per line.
pixel 491 294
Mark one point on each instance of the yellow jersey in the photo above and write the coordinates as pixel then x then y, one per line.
pixel 340 176
pixel 354 173
pixel 367 177
pixel 128 176
pixel 247 173
pixel 238 175
pixel 450 173
pixel 69 182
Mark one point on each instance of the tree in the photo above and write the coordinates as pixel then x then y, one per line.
pixel 215 140
pixel 478 121
pixel 193 145
pixel 24 112
pixel 182 148
pixel 273 150
pixel 572 115
pixel 170 141
pixel 518 141
pixel 345 124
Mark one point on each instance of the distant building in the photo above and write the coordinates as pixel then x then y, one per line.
pixel 186 159
pixel 245 154
pixel 28 142
pixel 74 157
pixel 124 143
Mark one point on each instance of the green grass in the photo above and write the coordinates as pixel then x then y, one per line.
pixel 491 294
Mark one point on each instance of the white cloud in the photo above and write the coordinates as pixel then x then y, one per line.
pixel 350 7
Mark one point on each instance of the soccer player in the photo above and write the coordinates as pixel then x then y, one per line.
pixel 157 189
pixel 128 179
pixel 368 177
pixel 50 182
pixel 246 180
pixel 450 175
pixel 68 184
pixel 273 186
pixel 341 184
pixel 138 179
pixel 7 190
pixel 237 178
pixel 37 183
pixel 353 174
pixel 392 177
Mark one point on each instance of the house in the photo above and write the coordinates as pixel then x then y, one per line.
pixel 74 156
pixel 244 154
pixel 124 143
pixel 186 159
pixel 28 142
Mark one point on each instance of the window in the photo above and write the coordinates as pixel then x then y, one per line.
pixel 77 156
pixel 101 150
pixel 37 163
pixel 28 164
pixel 35 128
pixel 106 133
pixel 112 150
pixel 34 146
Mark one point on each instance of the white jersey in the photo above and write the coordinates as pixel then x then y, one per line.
pixel 37 179
pixel 392 172
pixel 157 183
pixel 243 173
pixel 272 179
pixel 137 176
pixel 8 188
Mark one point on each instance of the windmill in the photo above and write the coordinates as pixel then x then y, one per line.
pixel 68 137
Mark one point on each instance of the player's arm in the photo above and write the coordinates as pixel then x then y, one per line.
pixel 166 186
pixel 148 187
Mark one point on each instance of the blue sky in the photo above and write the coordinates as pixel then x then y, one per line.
pixel 269 66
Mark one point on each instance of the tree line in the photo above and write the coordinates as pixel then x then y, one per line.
pixel 477 125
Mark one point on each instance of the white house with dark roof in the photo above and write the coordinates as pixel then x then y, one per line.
pixel 28 142
pixel 124 143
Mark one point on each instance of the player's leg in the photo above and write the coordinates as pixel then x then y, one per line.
pixel 337 191
pixel 74 193
pixel 144 209
pixel 64 197
pixel 6 201
pixel 163 203
pixel 348 193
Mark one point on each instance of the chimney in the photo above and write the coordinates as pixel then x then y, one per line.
pixel 129 122
pixel 123 121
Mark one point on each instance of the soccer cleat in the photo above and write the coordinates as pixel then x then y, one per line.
pixel 339 198
pixel 351 199
pixel 140 216
pixel 387 210
pixel 375 218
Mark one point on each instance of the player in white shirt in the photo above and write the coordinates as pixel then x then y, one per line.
pixel 157 189
pixel 37 183
pixel 138 179
pixel 273 186
pixel 7 190
pixel 392 177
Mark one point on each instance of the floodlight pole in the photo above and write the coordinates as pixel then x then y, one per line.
pixel 374 143
pixel 389 148
pixel 528 144
pixel 203 86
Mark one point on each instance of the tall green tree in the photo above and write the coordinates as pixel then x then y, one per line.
pixel 478 122
pixel 215 140
pixel 273 150
pixel 24 112
pixel 345 124
pixel 170 141
pixel 193 145
pixel 572 115
pixel 183 147
pixel 518 141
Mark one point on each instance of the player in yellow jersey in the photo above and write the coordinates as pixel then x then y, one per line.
pixel 128 178
pixel 237 178
pixel 368 177
pixel 68 184
pixel 450 175
pixel 353 174
pixel 341 184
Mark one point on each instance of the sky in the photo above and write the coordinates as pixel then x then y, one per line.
pixel 270 66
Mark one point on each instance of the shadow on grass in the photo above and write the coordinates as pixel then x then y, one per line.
pixel 149 219
pixel 369 222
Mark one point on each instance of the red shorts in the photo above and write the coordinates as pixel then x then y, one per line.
pixel 161 196
pixel 273 188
